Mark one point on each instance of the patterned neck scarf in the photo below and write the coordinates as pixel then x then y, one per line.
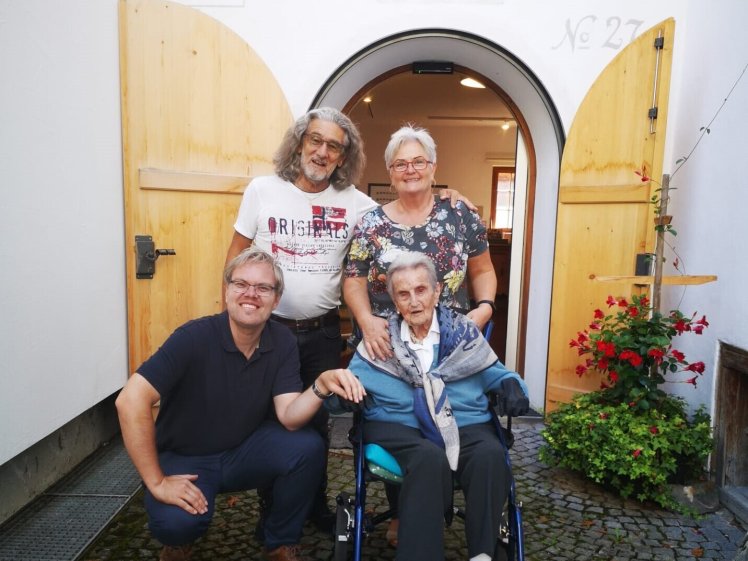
pixel 463 351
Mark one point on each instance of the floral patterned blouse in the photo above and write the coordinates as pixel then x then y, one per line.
pixel 449 236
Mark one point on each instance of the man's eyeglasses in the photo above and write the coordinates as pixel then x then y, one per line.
pixel 316 141
pixel 241 287
pixel 419 164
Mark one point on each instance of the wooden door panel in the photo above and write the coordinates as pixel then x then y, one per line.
pixel 604 215
pixel 201 115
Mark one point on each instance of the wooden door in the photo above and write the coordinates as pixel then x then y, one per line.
pixel 604 214
pixel 201 115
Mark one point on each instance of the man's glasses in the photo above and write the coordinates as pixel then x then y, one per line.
pixel 419 164
pixel 241 287
pixel 316 141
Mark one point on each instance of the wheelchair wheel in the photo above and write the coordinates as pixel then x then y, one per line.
pixel 343 527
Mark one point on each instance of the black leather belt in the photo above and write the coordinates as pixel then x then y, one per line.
pixel 332 317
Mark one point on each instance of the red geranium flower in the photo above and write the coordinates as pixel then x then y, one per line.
pixel 622 303
pixel 656 354
pixel 581 370
pixel 636 453
pixel 610 301
pixel 644 177
pixel 613 375
pixel 654 430
pixel 633 311
pixel 691 381
pixel 599 314
pixel 696 367
pixel 677 355
pixel 633 358
pixel 609 349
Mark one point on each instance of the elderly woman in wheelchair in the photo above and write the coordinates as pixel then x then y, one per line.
pixel 427 406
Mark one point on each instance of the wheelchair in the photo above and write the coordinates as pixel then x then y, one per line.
pixel 373 463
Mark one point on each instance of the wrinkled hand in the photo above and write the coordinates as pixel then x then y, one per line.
pixel 179 490
pixel 455 196
pixel 513 400
pixel 343 383
pixel 376 337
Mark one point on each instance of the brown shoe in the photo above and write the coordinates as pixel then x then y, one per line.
pixel 285 553
pixel 176 553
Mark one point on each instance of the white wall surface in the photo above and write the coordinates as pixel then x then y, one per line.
pixel 62 290
pixel 709 205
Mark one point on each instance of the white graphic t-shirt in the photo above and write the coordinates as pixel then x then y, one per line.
pixel 308 234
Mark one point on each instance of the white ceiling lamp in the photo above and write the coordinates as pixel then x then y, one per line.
pixel 471 83
pixel 505 126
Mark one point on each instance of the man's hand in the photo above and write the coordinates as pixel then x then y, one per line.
pixel 376 337
pixel 455 196
pixel 342 382
pixel 179 490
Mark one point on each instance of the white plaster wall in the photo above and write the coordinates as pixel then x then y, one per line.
pixel 709 205
pixel 62 293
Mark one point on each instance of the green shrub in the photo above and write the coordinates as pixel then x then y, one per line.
pixel 636 452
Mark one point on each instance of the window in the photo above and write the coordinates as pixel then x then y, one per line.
pixel 502 199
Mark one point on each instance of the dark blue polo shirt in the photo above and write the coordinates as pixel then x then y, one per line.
pixel 212 397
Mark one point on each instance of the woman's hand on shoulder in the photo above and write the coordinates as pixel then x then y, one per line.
pixel 376 337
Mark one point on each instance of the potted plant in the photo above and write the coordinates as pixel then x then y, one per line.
pixel 631 434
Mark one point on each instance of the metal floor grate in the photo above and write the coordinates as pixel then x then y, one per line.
pixel 60 524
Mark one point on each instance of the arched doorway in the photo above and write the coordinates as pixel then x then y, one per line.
pixel 540 129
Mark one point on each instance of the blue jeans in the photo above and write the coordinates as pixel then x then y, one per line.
pixel 293 460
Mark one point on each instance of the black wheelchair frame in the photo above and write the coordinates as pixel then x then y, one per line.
pixel 353 523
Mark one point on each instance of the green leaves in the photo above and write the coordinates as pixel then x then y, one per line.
pixel 637 452
pixel 632 347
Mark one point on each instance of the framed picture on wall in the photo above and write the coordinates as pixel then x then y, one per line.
pixel 383 193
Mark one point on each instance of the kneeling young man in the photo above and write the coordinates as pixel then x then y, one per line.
pixel 217 378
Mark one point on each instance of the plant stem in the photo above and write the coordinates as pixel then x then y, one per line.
pixel 706 129
pixel 660 245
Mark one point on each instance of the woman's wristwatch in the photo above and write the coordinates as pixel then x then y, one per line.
pixel 489 302
pixel 318 393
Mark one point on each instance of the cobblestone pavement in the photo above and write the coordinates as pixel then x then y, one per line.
pixel 565 518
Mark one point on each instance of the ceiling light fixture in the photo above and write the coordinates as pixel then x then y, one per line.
pixel 505 126
pixel 367 99
pixel 470 83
